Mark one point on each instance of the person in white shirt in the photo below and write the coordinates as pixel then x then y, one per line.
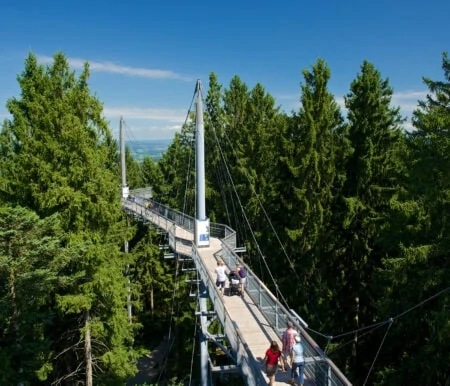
pixel 221 276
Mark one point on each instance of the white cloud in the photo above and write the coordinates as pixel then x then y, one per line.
pixel 77 63
pixel 288 97
pixel 408 100
pixel 341 102
pixel 144 130
pixel 151 131
pixel 410 95
pixel 146 123
pixel 408 126
pixel 151 114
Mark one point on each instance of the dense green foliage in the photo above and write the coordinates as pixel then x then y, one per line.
pixel 344 215
pixel 371 169
pixel 28 248
pixel 58 158
pixel 348 214
pixel 419 352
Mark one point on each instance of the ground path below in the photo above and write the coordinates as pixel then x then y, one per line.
pixel 150 364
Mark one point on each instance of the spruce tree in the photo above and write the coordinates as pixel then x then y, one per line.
pixel 235 134
pixel 57 159
pixel 29 248
pixel 135 178
pixel 308 169
pixel 177 168
pixel 218 189
pixel 151 173
pixel 372 179
pixel 422 270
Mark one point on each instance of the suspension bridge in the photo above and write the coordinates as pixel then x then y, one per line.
pixel 249 322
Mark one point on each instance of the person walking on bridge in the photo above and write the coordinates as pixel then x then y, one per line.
pixel 271 358
pixel 298 361
pixel 221 276
pixel 241 271
pixel 288 341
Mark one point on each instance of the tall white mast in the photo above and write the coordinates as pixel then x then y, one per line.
pixel 125 189
pixel 201 222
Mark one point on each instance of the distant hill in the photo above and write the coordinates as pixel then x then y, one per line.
pixel 148 148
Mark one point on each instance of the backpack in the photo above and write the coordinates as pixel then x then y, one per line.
pixel 242 272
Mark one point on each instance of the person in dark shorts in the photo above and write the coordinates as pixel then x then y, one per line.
pixel 271 359
pixel 221 276
pixel 242 272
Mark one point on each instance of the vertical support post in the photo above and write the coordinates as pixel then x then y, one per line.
pixel 130 314
pixel 276 316
pixel 203 341
pixel 125 194
pixel 260 295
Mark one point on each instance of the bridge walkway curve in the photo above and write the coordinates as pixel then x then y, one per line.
pixel 250 322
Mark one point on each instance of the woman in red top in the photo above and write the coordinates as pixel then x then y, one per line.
pixel 271 359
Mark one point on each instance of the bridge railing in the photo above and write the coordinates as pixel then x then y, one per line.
pixel 185 221
pixel 318 366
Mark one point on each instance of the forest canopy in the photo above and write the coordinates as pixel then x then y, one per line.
pixel 349 209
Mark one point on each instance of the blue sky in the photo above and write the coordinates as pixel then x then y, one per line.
pixel 146 56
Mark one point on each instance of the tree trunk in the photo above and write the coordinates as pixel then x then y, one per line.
pixel 15 317
pixel 87 348
pixel 356 327
pixel 152 301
